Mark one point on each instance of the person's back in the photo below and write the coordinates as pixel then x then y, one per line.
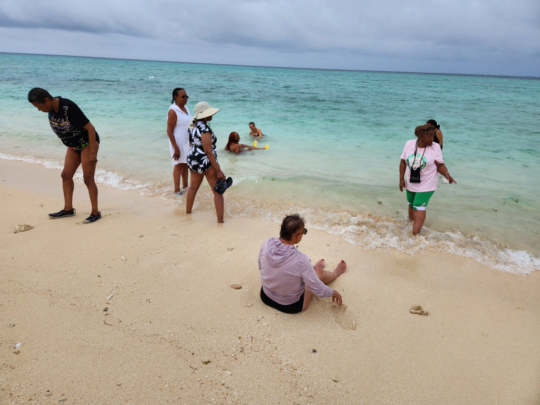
pixel 287 276
pixel 283 271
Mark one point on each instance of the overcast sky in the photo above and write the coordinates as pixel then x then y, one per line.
pixel 446 36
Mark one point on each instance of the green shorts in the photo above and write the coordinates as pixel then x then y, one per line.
pixel 419 201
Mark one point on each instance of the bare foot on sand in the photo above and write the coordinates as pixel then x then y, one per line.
pixel 320 264
pixel 341 268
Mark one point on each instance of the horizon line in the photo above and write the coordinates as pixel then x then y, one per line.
pixel 276 67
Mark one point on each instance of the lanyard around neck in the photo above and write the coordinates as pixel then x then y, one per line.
pixel 414 159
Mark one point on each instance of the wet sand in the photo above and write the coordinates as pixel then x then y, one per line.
pixel 174 331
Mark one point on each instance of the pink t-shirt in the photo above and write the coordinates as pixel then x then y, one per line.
pixel 429 178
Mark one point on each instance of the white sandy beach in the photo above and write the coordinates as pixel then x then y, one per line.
pixel 175 332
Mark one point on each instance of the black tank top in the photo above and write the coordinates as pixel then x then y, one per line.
pixel 436 139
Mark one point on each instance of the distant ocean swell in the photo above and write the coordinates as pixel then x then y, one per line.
pixel 366 230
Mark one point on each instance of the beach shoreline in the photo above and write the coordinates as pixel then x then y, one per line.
pixel 174 331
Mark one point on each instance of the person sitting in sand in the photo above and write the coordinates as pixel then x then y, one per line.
pixel 78 134
pixel 288 278
pixel 235 147
pixel 254 131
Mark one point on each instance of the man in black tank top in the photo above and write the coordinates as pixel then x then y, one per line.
pixel 76 132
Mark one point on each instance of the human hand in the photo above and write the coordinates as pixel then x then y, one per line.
pixel 220 175
pixel 176 154
pixel 450 179
pixel 93 154
pixel 401 185
pixel 336 297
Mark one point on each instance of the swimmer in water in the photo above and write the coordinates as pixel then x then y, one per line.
pixel 254 131
pixel 235 147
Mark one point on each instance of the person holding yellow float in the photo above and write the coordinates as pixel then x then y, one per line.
pixel 234 146
pixel 421 160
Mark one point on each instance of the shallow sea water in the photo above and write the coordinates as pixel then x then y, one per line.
pixel 335 140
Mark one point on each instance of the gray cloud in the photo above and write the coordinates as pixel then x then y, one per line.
pixel 388 34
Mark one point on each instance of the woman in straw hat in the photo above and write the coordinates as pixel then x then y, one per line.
pixel 202 157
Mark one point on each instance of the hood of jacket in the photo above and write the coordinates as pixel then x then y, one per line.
pixel 278 253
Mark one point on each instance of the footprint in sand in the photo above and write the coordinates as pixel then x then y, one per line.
pixel 342 315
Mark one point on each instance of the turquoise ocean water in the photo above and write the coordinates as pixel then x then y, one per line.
pixel 335 143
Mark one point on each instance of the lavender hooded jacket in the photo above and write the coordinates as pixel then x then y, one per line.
pixel 285 272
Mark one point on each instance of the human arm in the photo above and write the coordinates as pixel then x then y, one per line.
pixel 402 168
pixel 440 137
pixel 92 140
pixel 441 168
pixel 243 146
pixel 313 282
pixel 259 133
pixel 206 139
pixel 171 123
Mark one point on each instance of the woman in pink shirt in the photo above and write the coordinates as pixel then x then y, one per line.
pixel 288 278
pixel 421 160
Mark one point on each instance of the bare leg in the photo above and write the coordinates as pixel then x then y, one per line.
pixel 325 276
pixel 184 171
pixel 196 180
pixel 219 202
pixel 177 170
pixel 419 218
pixel 89 171
pixel 411 213
pixel 71 164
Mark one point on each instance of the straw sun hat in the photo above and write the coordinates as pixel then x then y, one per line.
pixel 203 110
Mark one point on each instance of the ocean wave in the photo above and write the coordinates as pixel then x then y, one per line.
pixel 378 232
pixel 104 177
pixel 368 231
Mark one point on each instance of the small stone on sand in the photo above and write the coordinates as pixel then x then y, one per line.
pixel 236 286
pixel 417 309
pixel 22 228
pixel 334 379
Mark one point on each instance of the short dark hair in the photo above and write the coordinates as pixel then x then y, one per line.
pixel 175 93
pixel 423 128
pixel 434 123
pixel 291 224
pixel 38 95
pixel 252 123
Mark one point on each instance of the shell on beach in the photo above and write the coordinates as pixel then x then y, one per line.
pixel 22 228
pixel 236 286
pixel 417 309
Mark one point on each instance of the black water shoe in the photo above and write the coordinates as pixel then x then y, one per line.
pixel 63 214
pixel 92 218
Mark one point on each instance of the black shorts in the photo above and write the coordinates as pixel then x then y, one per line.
pixel 288 309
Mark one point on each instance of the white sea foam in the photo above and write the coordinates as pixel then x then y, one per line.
pixel 376 232
pixel 105 177
pixel 366 230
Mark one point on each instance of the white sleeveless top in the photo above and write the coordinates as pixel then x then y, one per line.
pixel 180 132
